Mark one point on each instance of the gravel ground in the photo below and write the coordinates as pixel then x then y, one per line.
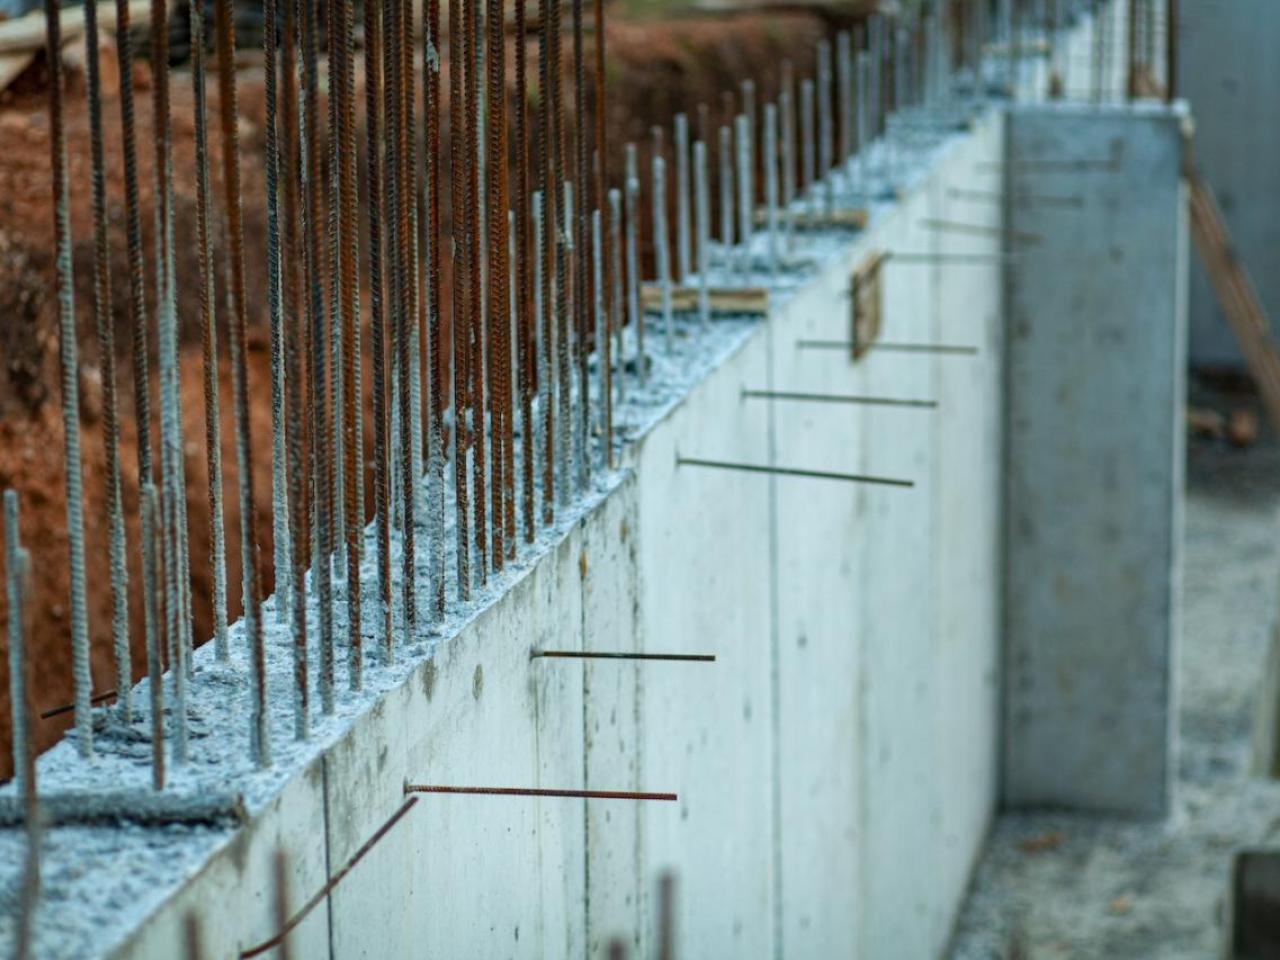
pixel 1054 886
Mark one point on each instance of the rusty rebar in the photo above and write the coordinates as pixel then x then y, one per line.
pixel 373 54
pixel 613 328
pixel 152 590
pixel 209 337
pixel 435 329
pixel 600 328
pixel 133 235
pixel 281 535
pixel 321 488
pixel 400 195
pixel 528 355
pixel 19 572
pixel 549 186
pixel 541 792
pixel 104 324
pixel 476 320
pixel 349 312
pixel 459 302
pixel 559 245
pixel 499 323
pixel 599 118
pixel 19 730
pixel 582 291
pixel 409 343
pixel 224 28
pixel 294 323
pixel 634 314
pixel 335 464
pixel 280 877
pixel 70 368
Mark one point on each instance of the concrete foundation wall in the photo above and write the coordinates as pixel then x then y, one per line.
pixel 1096 360
pixel 839 764
pixel 836 766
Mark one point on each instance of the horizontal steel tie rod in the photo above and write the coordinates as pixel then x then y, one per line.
pixel 540 792
pixel 624 655
pixel 792 472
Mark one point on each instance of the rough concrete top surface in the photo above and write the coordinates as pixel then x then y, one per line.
pixel 1055 886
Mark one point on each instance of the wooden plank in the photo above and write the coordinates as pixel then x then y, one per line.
pixel 725 301
pixel 810 219
pixel 865 302
pixel 26 34
pixel 1237 297
pixel 12 65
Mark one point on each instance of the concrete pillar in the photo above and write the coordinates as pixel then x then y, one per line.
pixel 1096 336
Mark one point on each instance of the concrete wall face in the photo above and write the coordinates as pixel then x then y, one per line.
pixel 1229 71
pixel 1096 331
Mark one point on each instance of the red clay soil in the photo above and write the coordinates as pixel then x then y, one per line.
pixel 663 68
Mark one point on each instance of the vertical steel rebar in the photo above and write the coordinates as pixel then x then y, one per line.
pixel 209 337
pixel 70 367
pixel 527 355
pixel 335 464
pixel 137 294
pixel 745 191
pixel 435 327
pixel 29 891
pixel 294 348
pixel 373 56
pixel 561 232
pixel 726 194
pixel 172 573
pixel 635 316
pixel 152 590
pixel 544 353
pixel 787 117
pixel 280 878
pixel 400 196
pixel 545 229
pixel 769 160
pixel 460 317
pixel 825 126
pixel 582 293
pixel 281 539
pixel 748 89
pixel 260 743
pixel 684 259
pixel 105 325
pixel 662 251
pixel 861 110
pixel 601 326
pixel 499 321
pixel 808 156
pixel 321 486
pixel 476 320
pixel 17 660
pixel 614 250
pixel 844 95
pixel 349 312
pixel 702 192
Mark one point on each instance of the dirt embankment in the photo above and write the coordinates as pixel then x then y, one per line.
pixel 654 70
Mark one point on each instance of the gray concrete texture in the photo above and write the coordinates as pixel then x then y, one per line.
pixel 1096 380
pixel 1229 71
